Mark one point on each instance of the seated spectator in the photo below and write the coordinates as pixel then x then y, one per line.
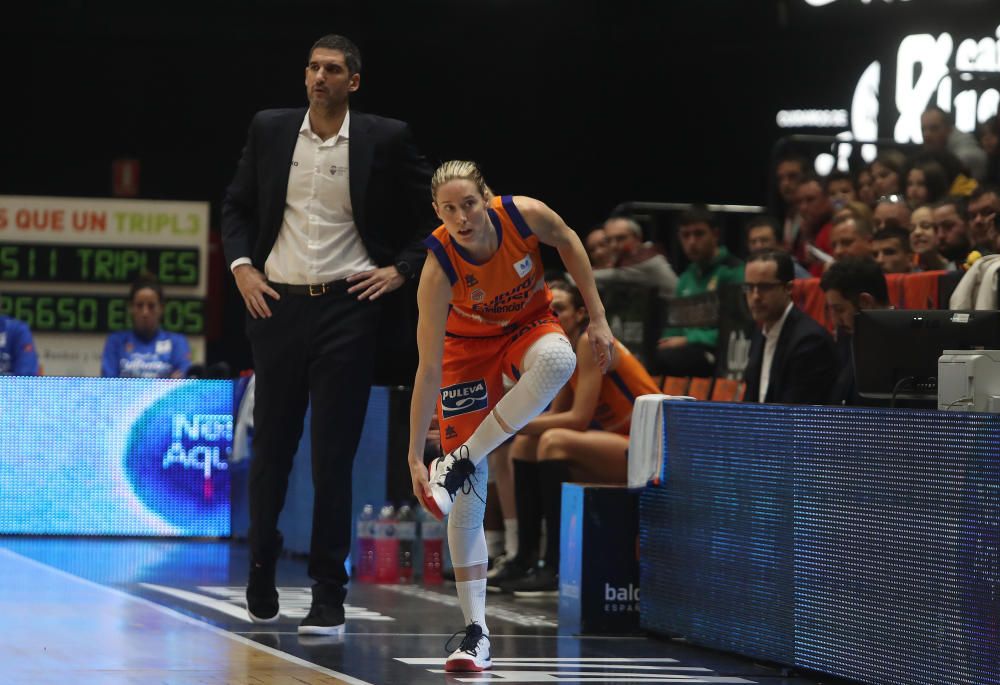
pixel 18 356
pixel 840 188
pixel 814 249
pixel 851 238
pixel 788 175
pixel 637 262
pixel 865 183
pixel 924 241
pixel 988 133
pixel 984 205
pixel 952 228
pixel 146 351
pixel 691 351
pixel 892 251
pixel 939 133
pixel 762 234
pixel 582 437
pixel 891 210
pixel 792 358
pixel 926 183
pixel 599 249
pixel 850 286
pixel 888 173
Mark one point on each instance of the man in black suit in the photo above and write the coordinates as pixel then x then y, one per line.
pixel 850 286
pixel 324 217
pixel 792 358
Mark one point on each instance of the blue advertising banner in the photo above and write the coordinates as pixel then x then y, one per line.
pixel 110 456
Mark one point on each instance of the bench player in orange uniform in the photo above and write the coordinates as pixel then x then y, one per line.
pixel 485 317
pixel 582 438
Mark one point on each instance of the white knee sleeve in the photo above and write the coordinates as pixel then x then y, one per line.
pixel 548 365
pixel 466 537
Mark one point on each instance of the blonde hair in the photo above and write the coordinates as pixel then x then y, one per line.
pixel 459 170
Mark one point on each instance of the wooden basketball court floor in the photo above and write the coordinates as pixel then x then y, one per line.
pixel 149 612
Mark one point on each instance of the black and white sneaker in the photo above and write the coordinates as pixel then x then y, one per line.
pixel 473 655
pixel 262 595
pixel 539 582
pixel 511 570
pixel 323 619
pixel 448 475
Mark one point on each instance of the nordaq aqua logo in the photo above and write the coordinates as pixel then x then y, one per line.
pixel 463 398
pixel 177 456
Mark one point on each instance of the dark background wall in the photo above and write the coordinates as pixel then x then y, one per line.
pixel 583 104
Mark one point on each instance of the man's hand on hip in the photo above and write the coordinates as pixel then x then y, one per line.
pixel 375 283
pixel 253 286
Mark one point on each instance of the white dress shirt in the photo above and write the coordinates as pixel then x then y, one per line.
pixel 318 241
pixel 771 336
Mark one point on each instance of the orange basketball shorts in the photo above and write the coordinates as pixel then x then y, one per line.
pixel 472 376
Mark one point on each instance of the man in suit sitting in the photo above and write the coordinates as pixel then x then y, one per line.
pixel 792 358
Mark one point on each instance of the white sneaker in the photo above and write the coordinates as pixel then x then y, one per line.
pixel 473 655
pixel 447 475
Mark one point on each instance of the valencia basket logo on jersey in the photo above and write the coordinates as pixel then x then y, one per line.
pixel 463 398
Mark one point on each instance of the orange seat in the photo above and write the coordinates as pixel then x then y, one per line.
pixel 675 385
pixel 725 390
pixel 700 388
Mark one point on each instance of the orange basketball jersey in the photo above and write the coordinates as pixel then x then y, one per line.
pixel 505 291
pixel 619 388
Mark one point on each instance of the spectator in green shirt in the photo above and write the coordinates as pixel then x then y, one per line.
pixel 691 351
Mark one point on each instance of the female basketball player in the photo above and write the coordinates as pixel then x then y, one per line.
pixel 485 320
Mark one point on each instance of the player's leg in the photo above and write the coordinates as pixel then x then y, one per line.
pixel 469 556
pixel 527 511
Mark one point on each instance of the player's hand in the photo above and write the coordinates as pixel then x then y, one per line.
pixel 602 342
pixel 419 476
pixel 253 286
pixel 375 283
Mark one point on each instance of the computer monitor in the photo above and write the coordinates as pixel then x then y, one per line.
pixel 896 351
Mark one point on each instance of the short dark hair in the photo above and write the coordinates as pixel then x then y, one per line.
pixel 143 281
pixel 781 259
pixel 948 118
pixel 898 232
pixel 960 204
pixel 697 214
pixel 331 41
pixel 763 220
pixel 852 276
pixel 795 157
pixel 983 189
pixel 837 175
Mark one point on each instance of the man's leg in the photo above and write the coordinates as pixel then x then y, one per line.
pixel 280 399
pixel 340 377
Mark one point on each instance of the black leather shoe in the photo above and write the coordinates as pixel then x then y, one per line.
pixel 323 619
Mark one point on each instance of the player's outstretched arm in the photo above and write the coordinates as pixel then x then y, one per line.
pixel 433 296
pixel 552 230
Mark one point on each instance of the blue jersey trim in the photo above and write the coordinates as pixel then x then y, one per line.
pixel 515 215
pixel 435 246
pixel 617 380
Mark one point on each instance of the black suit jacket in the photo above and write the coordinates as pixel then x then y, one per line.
pixel 390 189
pixel 804 367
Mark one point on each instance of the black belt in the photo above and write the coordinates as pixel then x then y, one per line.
pixel 314 290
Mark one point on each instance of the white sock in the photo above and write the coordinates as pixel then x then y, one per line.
pixel 510 537
pixel 472 598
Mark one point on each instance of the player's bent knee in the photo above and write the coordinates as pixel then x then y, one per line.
pixel 554 444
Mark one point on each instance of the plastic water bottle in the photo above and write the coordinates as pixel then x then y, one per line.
pixel 386 547
pixel 432 532
pixel 366 544
pixel 406 532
